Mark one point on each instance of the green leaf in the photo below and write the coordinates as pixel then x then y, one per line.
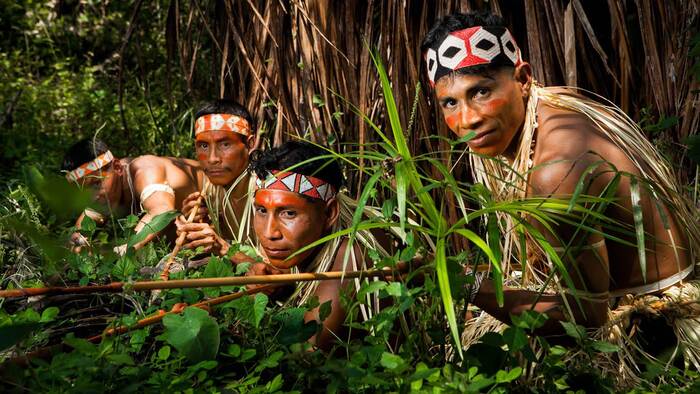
pixel 12 334
pixel 49 314
pixel 164 352
pixel 391 361
pixel 605 347
pixel 529 320
pixel 87 225
pixel 124 267
pixel 158 223
pixel 193 333
pixel 324 310
pixel 294 329
pixel 574 330
pixel 505 377
pixel 250 308
pixel 515 338
pixel 217 268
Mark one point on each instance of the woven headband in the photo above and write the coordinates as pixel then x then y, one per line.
pixel 471 47
pixel 90 167
pixel 221 122
pixel 298 183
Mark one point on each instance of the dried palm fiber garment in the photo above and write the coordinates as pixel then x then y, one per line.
pixel 224 217
pixel 509 183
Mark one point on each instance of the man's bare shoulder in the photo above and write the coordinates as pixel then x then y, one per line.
pixel 164 163
pixel 563 134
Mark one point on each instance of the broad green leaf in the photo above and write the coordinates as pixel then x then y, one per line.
pixel 12 334
pixel 124 267
pixel 193 333
pixel 250 308
pixel 605 347
pixel 324 310
pixel 574 330
pixel 515 338
pixel 391 361
pixel 505 377
pixel 294 329
pixel 158 223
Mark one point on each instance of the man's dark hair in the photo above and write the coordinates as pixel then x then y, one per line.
pixel 229 107
pixel 295 152
pixel 455 22
pixel 82 152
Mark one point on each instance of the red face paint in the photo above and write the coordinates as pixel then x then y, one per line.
pixel 223 154
pixel 286 222
pixel 452 120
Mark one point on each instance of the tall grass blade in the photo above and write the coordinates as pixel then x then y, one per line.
pixel 635 197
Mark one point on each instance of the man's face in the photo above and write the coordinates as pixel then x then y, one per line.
pixel 223 154
pixel 286 222
pixel 492 105
pixel 105 185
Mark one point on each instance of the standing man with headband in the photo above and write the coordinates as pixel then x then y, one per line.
pixel 534 141
pixel 224 137
pixel 149 184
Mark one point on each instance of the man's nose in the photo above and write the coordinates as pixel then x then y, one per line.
pixel 272 230
pixel 214 156
pixel 470 119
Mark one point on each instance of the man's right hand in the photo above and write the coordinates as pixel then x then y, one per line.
pixel 201 234
pixel 190 203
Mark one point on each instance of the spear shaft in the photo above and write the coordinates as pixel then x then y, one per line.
pixel 116 287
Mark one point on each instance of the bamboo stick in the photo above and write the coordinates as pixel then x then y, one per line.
pixel 116 287
pixel 157 318
pixel 165 275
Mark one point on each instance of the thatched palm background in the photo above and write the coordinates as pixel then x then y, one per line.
pixel 289 61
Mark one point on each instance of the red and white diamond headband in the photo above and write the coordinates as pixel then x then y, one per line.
pixel 298 183
pixel 221 122
pixel 470 47
pixel 90 167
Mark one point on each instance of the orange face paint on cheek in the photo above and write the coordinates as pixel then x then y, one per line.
pixel 495 105
pixel 453 120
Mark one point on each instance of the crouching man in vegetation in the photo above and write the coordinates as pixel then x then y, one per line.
pixel 148 184
pixel 297 201
pixel 536 142
pixel 224 137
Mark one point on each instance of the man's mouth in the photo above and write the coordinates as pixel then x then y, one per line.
pixel 216 171
pixel 277 253
pixel 480 138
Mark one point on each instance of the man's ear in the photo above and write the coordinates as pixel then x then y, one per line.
pixel 251 143
pixel 523 74
pixel 117 167
pixel 332 213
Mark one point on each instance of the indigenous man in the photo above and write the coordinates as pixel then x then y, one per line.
pixel 296 207
pixel 532 141
pixel 224 136
pixel 148 183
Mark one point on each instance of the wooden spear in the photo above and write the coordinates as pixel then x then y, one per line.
pixel 156 318
pixel 116 287
pixel 165 275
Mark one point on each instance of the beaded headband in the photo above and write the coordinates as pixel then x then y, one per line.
pixel 471 47
pixel 90 167
pixel 298 183
pixel 221 122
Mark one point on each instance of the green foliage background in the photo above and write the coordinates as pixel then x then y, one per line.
pixel 66 74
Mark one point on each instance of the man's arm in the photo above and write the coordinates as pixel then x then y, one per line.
pixel 588 269
pixel 146 174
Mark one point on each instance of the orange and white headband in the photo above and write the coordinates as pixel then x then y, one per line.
pixel 90 167
pixel 298 183
pixel 222 122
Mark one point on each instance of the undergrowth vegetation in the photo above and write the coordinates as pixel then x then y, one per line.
pixel 251 344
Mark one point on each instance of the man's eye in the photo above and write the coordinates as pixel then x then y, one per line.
pixel 289 214
pixel 449 103
pixel 225 145
pixel 482 92
pixel 260 210
pixel 202 146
